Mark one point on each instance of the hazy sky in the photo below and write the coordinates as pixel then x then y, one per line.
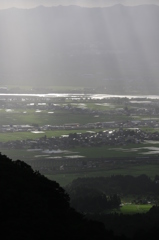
pixel 84 3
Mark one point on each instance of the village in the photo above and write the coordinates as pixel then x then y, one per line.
pixel 48 150
pixel 118 137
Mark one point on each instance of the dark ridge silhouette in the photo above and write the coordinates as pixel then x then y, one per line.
pixel 33 207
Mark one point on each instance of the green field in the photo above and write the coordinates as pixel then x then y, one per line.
pixel 133 208
pixel 12 136
pixel 62 117
pixel 59 117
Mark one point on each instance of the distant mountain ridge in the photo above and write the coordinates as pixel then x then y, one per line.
pixel 116 47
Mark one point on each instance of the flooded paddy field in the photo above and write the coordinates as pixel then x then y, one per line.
pixel 66 165
pixel 131 150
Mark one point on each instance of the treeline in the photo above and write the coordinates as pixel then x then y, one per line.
pixel 96 197
pixel 91 195
pixel 119 184
pixel 91 200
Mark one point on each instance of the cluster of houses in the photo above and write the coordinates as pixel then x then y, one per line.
pixel 76 126
pixel 147 109
pixel 87 139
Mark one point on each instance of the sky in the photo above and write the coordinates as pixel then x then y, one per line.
pixel 4 4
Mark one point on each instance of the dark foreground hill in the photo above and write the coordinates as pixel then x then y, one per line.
pixel 33 207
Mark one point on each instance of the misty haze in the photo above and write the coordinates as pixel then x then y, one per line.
pixel 114 47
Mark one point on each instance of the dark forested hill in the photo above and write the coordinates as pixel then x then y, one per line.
pixel 33 207
pixel 116 46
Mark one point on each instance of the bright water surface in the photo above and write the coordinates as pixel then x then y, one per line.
pixel 78 96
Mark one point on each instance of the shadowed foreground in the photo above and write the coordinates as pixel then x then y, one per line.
pixel 33 207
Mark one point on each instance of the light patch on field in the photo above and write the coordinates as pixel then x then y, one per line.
pixel 32 150
pixel 130 150
pixel 79 105
pixel 50 112
pixel 140 101
pixel 56 151
pixel 150 118
pixel 151 142
pixel 104 104
pixel 38 156
pixel 37 132
pixel 9 110
pixel 125 149
pixel 74 156
pixel 41 104
pixel 150 150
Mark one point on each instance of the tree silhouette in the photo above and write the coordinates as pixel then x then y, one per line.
pixel 33 207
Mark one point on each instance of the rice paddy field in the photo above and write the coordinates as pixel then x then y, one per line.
pixel 143 150
pixel 139 152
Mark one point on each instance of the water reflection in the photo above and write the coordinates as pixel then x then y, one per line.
pixel 79 96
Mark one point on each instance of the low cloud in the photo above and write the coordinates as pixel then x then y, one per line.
pixel 83 3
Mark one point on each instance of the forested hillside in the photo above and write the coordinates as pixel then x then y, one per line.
pixel 33 207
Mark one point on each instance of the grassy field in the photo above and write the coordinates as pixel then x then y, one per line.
pixel 133 208
pixel 12 136
pixel 59 117
pixel 20 154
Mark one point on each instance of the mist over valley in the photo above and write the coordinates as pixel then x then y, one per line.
pixel 115 48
